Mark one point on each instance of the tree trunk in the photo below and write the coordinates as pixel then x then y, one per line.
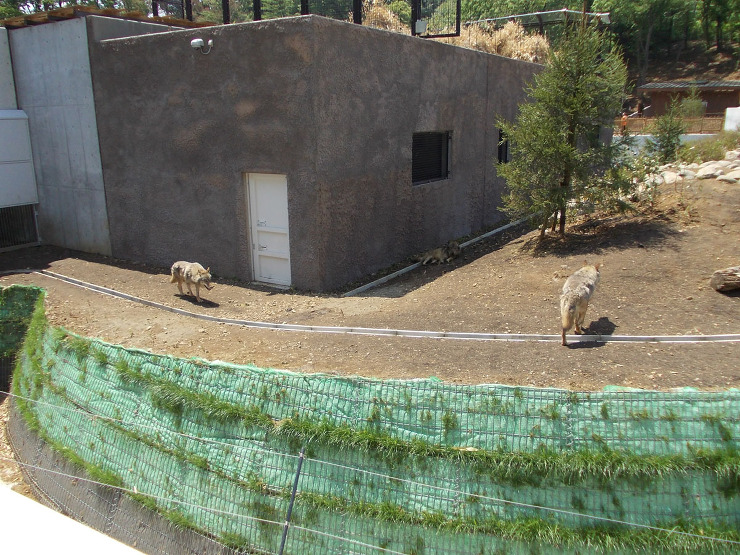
pixel 726 280
pixel 646 54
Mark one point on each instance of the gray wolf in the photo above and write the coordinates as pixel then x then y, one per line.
pixel 441 254
pixel 577 292
pixel 191 273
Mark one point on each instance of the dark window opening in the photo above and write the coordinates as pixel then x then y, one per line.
pixel 430 156
pixel 503 147
pixel 17 226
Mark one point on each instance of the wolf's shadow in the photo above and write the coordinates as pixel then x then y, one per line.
pixel 601 327
pixel 205 303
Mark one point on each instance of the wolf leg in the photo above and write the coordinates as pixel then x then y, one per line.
pixel 197 291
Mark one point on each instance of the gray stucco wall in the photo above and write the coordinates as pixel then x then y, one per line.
pixel 329 104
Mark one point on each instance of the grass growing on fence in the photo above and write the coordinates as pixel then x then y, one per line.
pixel 514 467
pixel 601 466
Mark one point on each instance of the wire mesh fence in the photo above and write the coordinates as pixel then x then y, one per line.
pixel 437 18
pixel 390 466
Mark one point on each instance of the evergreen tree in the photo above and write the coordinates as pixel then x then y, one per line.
pixel 555 142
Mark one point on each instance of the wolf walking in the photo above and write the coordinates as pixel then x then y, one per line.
pixel 577 292
pixel 191 273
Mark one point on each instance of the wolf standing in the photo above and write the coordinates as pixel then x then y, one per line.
pixel 191 273
pixel 577 291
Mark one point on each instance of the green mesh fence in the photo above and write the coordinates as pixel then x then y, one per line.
pixel 404 466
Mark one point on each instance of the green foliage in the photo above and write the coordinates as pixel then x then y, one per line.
pixel 711 148
pixel 19 306
pixel 555 143
pixel 449 422
pixel 666 133
pixel 640 27
pixel 692 105
pixel 402 9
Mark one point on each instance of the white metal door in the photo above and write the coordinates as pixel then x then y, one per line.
pixel 268 213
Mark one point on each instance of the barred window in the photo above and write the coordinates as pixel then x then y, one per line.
pixel 430 156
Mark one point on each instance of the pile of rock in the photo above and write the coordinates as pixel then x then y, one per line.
pixel 727 170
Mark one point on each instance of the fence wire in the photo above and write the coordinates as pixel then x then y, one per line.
pixel 100 500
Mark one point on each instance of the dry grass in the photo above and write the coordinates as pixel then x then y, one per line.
pixel 379 15
pixel 510 41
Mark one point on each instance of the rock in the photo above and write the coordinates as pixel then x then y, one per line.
pixel 653 180
pixel 670 177
pixel 688 175
pixel 732 155
pixel 726 280
pixel 709 172
pixel 734 174
pixel 726 179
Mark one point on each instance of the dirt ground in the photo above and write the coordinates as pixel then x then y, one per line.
pixel 654 281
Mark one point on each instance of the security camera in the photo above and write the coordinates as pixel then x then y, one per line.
pixel 197 43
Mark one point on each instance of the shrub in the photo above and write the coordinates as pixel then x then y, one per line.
pixel 667 130
pixel 711 148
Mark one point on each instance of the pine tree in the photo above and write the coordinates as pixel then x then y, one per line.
pixel 555 141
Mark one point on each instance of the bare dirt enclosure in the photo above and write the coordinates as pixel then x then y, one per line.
pixel 656 267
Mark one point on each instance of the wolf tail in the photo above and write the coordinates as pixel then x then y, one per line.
pixel 567 312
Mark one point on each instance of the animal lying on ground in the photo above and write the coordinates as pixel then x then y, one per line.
pixel 577 292
pixel 441 254
pixel 191 273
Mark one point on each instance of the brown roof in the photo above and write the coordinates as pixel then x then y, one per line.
pixel 688 85
pixel 70 12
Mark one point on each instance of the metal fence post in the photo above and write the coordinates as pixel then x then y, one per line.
pixel 292 500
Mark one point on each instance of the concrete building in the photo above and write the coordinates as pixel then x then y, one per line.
pixel 303 152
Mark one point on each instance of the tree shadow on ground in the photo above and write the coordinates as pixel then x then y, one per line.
pixel 591 236
pixel 595 235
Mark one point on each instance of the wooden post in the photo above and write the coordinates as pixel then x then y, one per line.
pixel 226 11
